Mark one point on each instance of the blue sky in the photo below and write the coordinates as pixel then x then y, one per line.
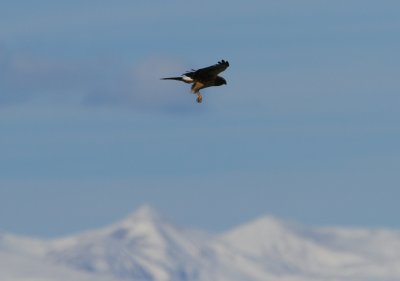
pixel 306 129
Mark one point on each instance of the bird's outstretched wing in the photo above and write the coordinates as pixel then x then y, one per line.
pixel 208 72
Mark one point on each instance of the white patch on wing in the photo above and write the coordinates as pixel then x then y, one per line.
pixel 187 79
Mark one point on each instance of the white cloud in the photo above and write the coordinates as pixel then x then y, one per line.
pixel 140 87
pixel 94 83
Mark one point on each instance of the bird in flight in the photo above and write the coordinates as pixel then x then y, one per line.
pixel 203 78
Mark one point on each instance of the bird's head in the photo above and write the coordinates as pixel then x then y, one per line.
pixel 220 81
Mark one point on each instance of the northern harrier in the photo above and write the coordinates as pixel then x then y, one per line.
pixel 203 78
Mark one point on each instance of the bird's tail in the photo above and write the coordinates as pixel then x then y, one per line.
pixel 173 78
pixel 182 78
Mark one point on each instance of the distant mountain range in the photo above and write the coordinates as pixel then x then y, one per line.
pixel 145 246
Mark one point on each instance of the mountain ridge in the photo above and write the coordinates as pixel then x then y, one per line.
pixel 147 246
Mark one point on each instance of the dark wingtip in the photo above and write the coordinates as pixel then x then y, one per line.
pixel 224 62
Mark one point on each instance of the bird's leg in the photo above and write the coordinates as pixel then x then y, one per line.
pixel 199 98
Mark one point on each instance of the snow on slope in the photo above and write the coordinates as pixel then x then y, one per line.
pixel 144 246
pixel 294 250
pixel 23 259
pixel 147 247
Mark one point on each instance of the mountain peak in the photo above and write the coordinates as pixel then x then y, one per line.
pixel 145 221
pixel 145 212
pixel 261 235
pixel 265 224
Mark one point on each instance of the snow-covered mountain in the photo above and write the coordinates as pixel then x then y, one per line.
pixel 145 246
